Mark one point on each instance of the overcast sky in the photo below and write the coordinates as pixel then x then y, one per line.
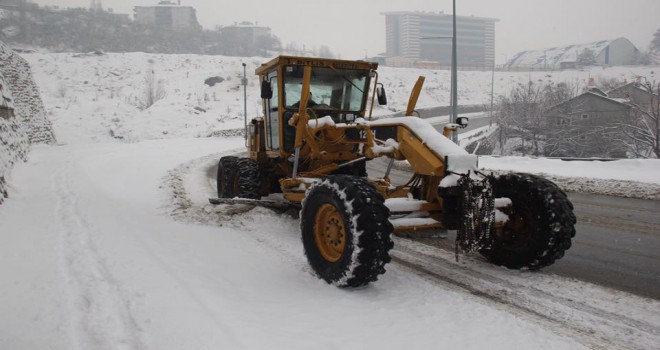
pixel 353 28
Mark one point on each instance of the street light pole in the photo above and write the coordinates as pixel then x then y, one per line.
pixel 454 77
pixel 244 83
pixel 492 88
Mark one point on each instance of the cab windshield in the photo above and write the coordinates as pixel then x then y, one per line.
pixel 333 89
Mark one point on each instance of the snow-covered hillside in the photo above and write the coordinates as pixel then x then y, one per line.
pixel 92 97
pixel 98 98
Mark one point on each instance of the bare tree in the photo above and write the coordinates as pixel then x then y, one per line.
pixel 293 48
pixel 153 91
pixel 522 115
pixel 653 54
pixel 607 84
pixel 640 132
pixel 562 141
pixel 572 132
pixel 586 58
pixel 645 58
pixel 655 43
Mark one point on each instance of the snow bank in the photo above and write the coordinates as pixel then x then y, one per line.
pixel 633 178
pixel 640 170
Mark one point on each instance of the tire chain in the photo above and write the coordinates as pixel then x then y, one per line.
pixel 248 178
pixel 375 251
pixel 477 210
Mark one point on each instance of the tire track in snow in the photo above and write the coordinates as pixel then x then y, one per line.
pixel 101 310
pixel 181 207
pixel 245 218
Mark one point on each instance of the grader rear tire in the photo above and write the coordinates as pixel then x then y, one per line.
pixel 346 231
pixel 245 179
pixel 226 168
pixel 540 227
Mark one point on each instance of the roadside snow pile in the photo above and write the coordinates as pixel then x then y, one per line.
pixel 631 178
pixel 634 178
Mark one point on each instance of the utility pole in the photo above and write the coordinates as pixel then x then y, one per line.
pixel 244 83
pixel 492 88
pixel 454 77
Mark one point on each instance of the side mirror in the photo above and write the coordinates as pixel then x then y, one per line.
pixel 462 121
pixel 380 92
pixel 266 90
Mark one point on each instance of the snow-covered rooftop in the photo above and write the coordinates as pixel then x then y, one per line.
pixel 552 57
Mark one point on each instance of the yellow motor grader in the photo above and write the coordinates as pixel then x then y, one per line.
pixel 311 147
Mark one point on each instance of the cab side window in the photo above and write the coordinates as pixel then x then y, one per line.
pixel 272 105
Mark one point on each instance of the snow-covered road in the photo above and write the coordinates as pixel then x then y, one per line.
pixel 109 245
pixel 113 246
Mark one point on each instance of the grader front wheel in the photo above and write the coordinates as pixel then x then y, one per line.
pixel 540 227
pixel 345 231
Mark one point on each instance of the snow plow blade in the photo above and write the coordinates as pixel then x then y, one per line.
pixel 273 204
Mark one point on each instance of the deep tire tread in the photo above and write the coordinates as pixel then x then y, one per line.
pixel 554 221
pixel 372 224
pixel 226 170
pixel 247 175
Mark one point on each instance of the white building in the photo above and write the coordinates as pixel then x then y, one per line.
pixel 167 14
pixel 617 52
pixel 248 31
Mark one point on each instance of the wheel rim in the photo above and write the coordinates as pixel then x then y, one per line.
pixel 329 232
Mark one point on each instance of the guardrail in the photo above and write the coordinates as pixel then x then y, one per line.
pixel 567 159
pixel 443 110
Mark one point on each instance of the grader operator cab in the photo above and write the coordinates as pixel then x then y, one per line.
pixel 312 144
